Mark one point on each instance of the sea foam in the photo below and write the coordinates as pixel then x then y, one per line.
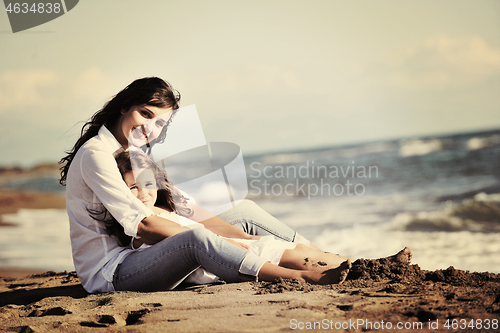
pixel 483 142
pixel 474 251
pixel 420 147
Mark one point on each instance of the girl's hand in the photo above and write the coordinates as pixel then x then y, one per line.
pixel 137 243
pixel 255 237
pixel 238 244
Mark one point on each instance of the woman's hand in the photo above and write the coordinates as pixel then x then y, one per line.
pixel 238 244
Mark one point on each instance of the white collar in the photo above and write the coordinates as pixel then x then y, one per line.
pixel 109 140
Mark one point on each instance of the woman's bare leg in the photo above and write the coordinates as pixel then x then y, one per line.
pixel 270 272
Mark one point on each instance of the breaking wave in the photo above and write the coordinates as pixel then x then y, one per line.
pixel 479 214
pixel 420 147
pixel 476 143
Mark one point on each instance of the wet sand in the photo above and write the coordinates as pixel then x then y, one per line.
pixel 12 200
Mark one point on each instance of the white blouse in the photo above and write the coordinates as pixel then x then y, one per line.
pixel 94 180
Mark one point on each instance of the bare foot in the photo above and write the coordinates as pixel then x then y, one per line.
pixel 330 276
pixel 403 256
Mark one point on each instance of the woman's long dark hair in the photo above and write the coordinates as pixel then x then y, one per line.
pixel 169 197
pixel 150 90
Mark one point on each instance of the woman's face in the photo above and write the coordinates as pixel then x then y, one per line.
pixel 141 124
pixel 143 187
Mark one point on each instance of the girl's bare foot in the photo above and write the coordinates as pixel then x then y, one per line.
pixel 330 276
pixel 403 256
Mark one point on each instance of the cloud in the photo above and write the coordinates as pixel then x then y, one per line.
pixel 41 111
pixel 442 62
pixel 93 83
pixel 50 98
pixel 27 88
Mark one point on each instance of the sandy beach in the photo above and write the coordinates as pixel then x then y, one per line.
pixel 378 295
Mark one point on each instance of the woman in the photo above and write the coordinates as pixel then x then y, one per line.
pixel 93 180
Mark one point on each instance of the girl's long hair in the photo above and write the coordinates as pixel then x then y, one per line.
pixel 150 90
pixel 169 197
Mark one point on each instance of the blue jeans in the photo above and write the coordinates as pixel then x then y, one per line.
pixel 253 220
pixel 167 263
pixel 164 265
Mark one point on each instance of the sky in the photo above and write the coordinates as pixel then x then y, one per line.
pixel 266 75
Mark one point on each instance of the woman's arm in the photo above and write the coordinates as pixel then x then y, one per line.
pixel 216 225
pixel 100 173
pixel 154 229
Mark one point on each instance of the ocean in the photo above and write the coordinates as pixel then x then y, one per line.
pixel 438 195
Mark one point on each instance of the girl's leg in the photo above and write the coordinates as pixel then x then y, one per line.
pixel 306 258
pixel 303 257
pixel 164 265
pixel 252 219
pixel 270 272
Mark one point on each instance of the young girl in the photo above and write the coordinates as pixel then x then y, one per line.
pixel 147 181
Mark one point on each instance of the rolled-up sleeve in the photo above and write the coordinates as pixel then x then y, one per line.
pixel 101 174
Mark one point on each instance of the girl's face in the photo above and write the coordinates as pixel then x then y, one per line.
pixel 143 187
pixel 141 124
